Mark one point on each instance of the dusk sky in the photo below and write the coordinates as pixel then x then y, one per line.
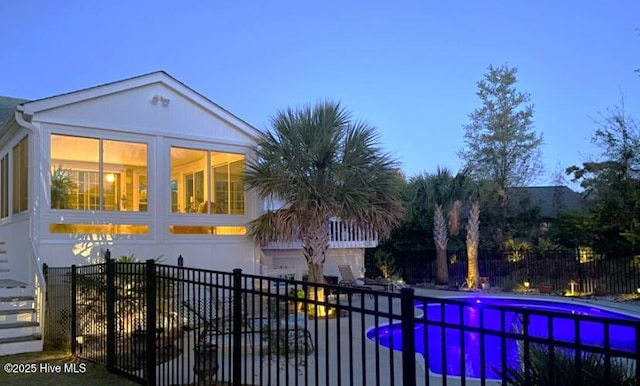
pixel 410 67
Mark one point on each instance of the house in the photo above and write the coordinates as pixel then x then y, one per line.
pixel 144 166
pixel 551 200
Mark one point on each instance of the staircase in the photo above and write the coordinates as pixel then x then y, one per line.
pixel 19 326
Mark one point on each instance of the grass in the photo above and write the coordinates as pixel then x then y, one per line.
pixel 94 374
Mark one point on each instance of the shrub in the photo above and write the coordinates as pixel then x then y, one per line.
pixel 563 369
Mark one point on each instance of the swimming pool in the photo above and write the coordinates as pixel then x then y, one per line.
pixel 493 315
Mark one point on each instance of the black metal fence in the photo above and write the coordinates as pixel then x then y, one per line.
pixel 616 276
pixel 172 325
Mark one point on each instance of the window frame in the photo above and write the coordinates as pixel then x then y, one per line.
pixel 20 176
pixel 209 179
pixel 118 169
pixel 4 186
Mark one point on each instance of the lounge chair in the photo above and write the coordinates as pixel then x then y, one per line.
pixel 349 280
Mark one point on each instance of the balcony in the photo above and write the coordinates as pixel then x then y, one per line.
pixel 341 235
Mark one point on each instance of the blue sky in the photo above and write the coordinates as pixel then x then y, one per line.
pixel 410 68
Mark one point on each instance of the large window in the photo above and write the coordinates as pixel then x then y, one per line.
pixel 98 174
pixel 207 182
pixel 21 176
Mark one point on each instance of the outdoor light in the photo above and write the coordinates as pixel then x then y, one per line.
pixel 527 284
pixel 638 289
pixel 80 342
pixel 573 286
pixel 160 98
pixel 110 177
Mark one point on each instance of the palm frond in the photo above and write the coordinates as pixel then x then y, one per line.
pixel 323 164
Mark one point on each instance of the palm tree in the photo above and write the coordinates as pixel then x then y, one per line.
pixel 444 192
pixel 441 239
pixel 473 239
pixel 322 164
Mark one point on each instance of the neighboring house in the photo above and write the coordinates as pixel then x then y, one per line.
pixel 551 200
pixel 144 166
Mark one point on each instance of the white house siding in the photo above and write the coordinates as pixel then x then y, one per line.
pixel 279 261
pixel 132 111
pixel 126 111
pixel 17 248
pixel 220 255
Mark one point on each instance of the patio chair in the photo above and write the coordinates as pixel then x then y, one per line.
pixel 214 315
pixel 349 280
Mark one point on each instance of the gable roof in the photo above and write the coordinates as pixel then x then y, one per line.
pixel 7 106
pixel 43 104
pixel 552 200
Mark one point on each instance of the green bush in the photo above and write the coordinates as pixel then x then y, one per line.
pixel 563 369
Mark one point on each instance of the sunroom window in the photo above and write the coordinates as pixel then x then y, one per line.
pixel 4 186
pixel 21 176
pixel 98 174
pixel 207 182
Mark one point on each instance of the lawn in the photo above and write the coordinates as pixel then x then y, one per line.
pixel 45 371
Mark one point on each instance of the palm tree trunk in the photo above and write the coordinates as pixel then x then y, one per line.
pixel 314 250
pixel 473 237
pixel 315 246
pixel 316 272
pixel 440 239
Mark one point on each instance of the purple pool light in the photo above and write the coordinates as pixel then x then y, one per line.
pixel 471 311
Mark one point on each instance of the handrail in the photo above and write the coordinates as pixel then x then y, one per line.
pixel 39 287
pixel 341 235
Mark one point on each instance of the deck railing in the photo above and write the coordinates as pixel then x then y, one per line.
pixel 341 235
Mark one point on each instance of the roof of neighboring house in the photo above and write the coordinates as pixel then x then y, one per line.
pixel 7 105
pixel 553 199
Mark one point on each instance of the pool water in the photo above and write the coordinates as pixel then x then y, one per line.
pixel 562 329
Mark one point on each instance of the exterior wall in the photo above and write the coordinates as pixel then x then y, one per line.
pixel 132 111
pixel 128 111
pixel 220 255
pixel 204 251
pixel 278 262
pixel 18 250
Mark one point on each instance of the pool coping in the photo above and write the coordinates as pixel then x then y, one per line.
pixel 628 309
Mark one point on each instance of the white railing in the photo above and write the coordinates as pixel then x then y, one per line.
pixel 341 235
pixel 39 287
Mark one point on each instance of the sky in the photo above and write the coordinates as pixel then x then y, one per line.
pixel 410 68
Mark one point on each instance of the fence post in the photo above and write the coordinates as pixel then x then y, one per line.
pixel 111 311
pixel 151 321
pixel 45 275
pixel 74 309
pixel 408 337
pixel 237 326
pixel 581 283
